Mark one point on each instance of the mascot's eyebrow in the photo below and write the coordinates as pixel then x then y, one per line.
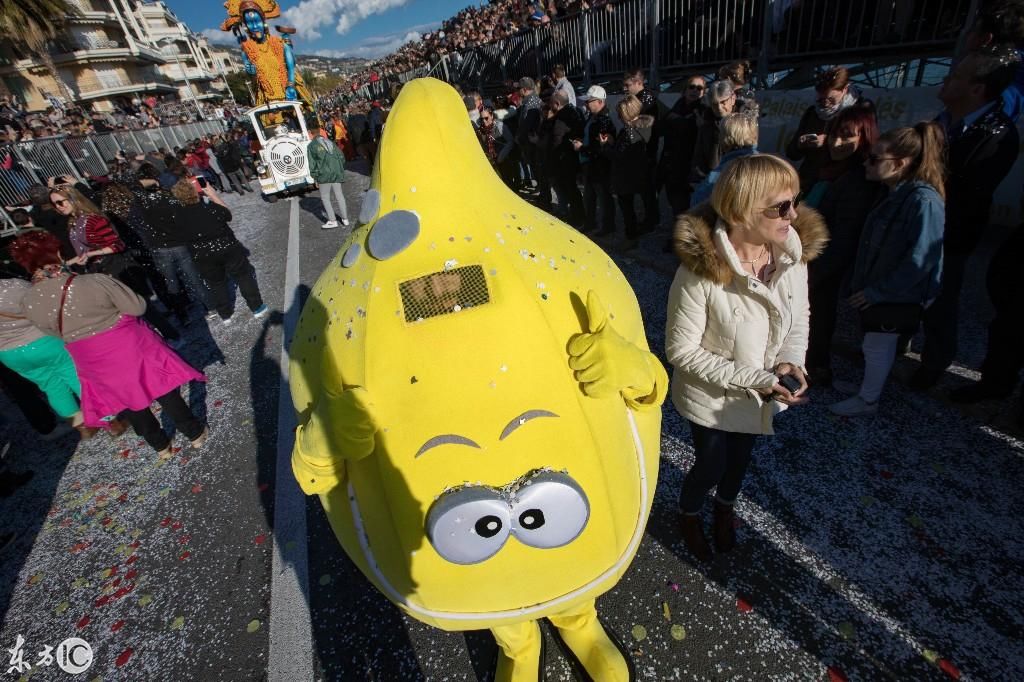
pixel 522 419
pixel 446 439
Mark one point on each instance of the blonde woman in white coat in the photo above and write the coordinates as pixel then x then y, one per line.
pixel 737 328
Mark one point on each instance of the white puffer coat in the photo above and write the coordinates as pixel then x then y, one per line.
pixel 727 330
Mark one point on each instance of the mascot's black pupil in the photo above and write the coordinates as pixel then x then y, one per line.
pixel 488 526
pixel 531 519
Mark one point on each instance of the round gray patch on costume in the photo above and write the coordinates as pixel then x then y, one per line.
pixel 370 206
pixel 351 256
pixel 393 233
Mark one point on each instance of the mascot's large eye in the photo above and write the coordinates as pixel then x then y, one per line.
pixel 550 510
pixel 468 525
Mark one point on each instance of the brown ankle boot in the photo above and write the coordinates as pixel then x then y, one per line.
pixel 693 535
pixel 723 526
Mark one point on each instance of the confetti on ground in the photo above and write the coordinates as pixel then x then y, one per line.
pixel 325 579
pixel 743 606
pixel 145 599
pixel 665 611
pixel 253 625
pixel 260 539
pixel 836 675
pixel 678 632
pixel 639 633
pixel 177 623
pixel 123 657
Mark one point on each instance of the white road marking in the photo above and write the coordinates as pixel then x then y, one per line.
pixel 291 637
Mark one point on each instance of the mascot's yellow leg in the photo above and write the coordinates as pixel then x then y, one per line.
pixel 583 633
pixel 519 658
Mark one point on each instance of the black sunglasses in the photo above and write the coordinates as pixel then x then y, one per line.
pixel 694 86
pixel 782 208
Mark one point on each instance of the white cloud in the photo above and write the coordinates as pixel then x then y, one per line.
pixel 378 46
pixel 219 37
pixel 310 15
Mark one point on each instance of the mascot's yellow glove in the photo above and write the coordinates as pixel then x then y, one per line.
pixel 341 427
pixel 606 364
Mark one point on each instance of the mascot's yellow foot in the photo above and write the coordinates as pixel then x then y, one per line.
pixel 520 652
pixel 592 649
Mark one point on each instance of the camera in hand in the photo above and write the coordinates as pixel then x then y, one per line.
pixel 790 383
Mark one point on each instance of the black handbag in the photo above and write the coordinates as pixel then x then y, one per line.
pixel 892 318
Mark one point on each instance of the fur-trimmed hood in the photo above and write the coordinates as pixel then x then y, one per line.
pixel 695 244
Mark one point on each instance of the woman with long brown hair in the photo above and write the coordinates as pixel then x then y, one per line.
pixel 899 261
pixel 100 249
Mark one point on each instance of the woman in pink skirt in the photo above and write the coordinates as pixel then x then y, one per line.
pixel 123 365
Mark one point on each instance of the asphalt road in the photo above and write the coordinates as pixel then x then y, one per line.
pixel 884 548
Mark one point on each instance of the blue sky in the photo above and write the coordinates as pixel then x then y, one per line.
pixel 354 28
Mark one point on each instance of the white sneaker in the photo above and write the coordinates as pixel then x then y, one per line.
pixel 853 407
pixel 329 225
pixel 225 321
pixel 344 221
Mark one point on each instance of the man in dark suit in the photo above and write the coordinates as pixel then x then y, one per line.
pixel 982 147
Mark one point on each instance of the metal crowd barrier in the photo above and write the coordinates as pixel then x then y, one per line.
pixel 662 36
pixel 32 162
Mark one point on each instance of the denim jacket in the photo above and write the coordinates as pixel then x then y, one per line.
pixel 900 255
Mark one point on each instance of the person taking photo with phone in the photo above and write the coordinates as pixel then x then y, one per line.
pixel 736 332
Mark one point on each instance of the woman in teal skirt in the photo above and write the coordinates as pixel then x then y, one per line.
pixel 41 359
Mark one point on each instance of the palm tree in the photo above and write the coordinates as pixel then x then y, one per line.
pixel 29 24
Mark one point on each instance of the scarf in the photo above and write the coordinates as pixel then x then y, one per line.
pixel 828 113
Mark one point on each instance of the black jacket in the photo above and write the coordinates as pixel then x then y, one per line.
pixel 528 122
pixel 159 228
pixel 679 131
pixel 205 227
pixel 628 157
pixel 977 161
pixel 229 156
pixel 595 161
pixel 845 206
pixel 566 127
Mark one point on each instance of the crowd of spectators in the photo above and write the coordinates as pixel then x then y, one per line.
pixel 925 190
pixel 18 124
pixel 149 241
pixel 474 26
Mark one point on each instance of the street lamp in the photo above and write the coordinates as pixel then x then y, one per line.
pixel 184 72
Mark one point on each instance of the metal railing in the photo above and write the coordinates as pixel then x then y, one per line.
pixel 664 36
pixel 32 162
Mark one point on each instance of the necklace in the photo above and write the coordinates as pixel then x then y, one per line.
pixel 764 249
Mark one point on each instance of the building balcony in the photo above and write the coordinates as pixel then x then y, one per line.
pixel 91 12
pixel 93 88
pixel 177 74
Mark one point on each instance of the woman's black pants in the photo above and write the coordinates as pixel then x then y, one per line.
pixel 721 459
pixel 148 426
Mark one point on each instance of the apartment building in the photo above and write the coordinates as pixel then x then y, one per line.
pixel 116 51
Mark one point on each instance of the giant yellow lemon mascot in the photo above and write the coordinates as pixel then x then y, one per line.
pixel 480 414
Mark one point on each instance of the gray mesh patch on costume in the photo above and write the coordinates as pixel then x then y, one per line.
pixel 522 419
pixel 443 293
pixel 370 206
pixel 393 233
pixel 351 255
